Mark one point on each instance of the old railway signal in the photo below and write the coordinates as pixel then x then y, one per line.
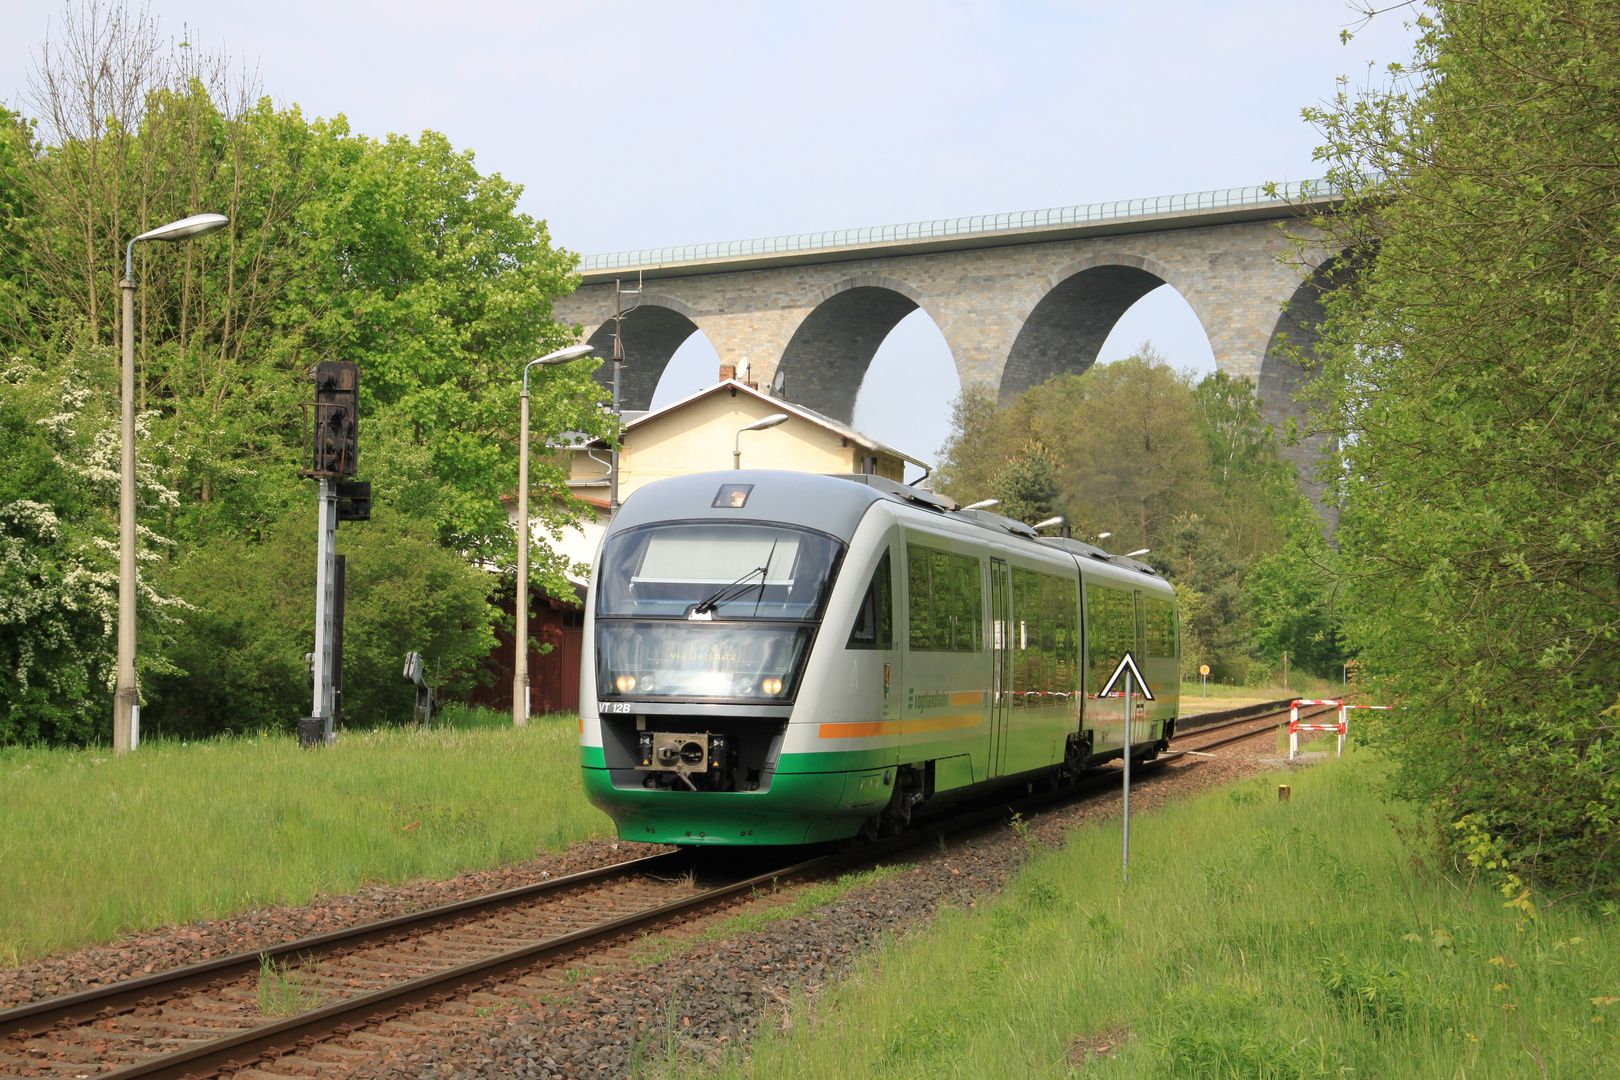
pixel 332 424
pixel 334 448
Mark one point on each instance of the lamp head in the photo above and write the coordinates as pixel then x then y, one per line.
pixel 982 504
pixel 563 356
pixel 768 422
pixel 1049 522
pixel 185 228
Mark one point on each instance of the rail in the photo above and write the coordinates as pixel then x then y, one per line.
pixel 241 1048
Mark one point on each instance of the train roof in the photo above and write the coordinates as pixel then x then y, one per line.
pixel 832 504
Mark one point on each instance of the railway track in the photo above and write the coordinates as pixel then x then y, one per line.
pixel 1253 726
pixel 392 980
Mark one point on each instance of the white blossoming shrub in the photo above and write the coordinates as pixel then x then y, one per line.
pixel 59 549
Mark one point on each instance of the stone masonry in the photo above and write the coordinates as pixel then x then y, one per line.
pixel 1013 315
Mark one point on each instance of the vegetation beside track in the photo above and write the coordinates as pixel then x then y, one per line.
pixel 92 845
pixel 1196 698
pixel 1256 940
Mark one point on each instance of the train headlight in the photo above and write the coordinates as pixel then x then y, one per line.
pixel 625 683
pixel 771 686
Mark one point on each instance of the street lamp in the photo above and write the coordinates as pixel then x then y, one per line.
pixel 757 425
pixel 1048 523
pixel 126 695
pixel 520 646
pixel 982 504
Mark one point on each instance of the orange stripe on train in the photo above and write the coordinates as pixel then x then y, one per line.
pixel 873 728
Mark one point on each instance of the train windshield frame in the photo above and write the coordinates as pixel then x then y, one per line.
pixel 707 610
pixel 718 570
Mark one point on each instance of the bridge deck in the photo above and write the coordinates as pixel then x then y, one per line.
pixel 1218 207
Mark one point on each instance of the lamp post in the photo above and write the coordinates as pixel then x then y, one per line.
pixel 619 293
pixel 520 645
pixel 125 696
pixel 757 425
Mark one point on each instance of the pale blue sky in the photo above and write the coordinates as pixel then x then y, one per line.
pixel 635 124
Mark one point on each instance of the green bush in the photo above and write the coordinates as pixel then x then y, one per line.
pixel 240 651
pixel 1468 375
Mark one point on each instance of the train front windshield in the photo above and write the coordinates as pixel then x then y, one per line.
pixel 710 611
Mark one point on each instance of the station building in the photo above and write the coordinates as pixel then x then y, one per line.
pixel 698 433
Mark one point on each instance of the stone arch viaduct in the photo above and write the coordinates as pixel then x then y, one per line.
pixel 1018 297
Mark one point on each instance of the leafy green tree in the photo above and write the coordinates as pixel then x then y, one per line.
pixel 1255 493
pixel 1292 601
pixel 976 449
pixel 395 253
pixel 1468 372
pixel 1123 438
pixel 1138 459
pixel 1027 488
pixel 1209 591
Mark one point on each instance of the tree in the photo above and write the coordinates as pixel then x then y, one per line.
pixel 976 449
pixel 1027 488
pixel 395 253
pixel 1123 440
pixel 59 441
pixel 1209 592
pixel 1468 373
pixel 1255 493
pixel 1137 460
pixel 1292 601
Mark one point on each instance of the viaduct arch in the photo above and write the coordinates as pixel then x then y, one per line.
pixel 1017 297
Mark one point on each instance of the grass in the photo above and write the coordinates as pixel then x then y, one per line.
pixel 92 845
pixel 286 990
pixel 477 718
pixel 1256 940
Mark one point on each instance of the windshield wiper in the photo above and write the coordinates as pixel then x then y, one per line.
pixel 704 609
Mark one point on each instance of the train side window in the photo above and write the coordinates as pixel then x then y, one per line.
pixel 874 620
pixel 1160 636
pixel 1110 630
pixel 944 600
pixel 1045 638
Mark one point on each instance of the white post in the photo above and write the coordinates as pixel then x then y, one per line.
pixel 126 696
pixel 1293 732
pixel 325 583
pixel 1344 726
pixel 520 595
pixel 1125 853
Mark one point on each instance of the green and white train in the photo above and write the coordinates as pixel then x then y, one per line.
pixel 786 658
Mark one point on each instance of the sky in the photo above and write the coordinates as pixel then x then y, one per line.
pixel 638 124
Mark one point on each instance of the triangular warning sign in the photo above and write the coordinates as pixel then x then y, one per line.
pixel 1127 663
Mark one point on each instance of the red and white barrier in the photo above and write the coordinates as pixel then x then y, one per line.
pixel 1341 725
pixel 1295 726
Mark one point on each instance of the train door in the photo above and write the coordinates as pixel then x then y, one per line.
pixel 1001 647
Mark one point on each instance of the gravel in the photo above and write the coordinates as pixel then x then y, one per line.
pixel 147 951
